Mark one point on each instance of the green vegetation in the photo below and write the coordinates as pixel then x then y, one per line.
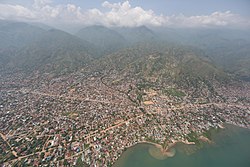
pixel 79 163
pixel 209 133
pixel 145 85
pixel 174 92
pixel 139 97
pixel 107 40
pixel 193 137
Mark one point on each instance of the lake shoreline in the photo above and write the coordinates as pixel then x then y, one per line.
pixel 164 153
pixel 161 153
pixel 139 155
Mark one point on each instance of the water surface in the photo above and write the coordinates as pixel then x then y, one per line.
pixel 231 149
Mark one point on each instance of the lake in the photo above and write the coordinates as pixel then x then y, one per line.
pixel 231 148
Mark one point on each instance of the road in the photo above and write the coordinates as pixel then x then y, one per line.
pixel 6 141
pixel 94 133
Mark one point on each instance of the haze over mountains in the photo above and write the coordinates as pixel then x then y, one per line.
pixel 81 82
pixel 32 48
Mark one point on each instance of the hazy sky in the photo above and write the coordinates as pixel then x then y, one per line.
pixel 180 13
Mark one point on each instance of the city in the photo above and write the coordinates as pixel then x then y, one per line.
pixel 54 121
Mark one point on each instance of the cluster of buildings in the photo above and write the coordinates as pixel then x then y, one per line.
pixel 94 118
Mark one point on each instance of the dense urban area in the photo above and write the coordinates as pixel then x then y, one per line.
pixel 94 117
pixel 124 83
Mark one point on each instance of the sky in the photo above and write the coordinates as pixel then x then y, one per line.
pixel 130 13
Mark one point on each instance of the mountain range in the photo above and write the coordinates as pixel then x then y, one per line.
pixel 161 53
